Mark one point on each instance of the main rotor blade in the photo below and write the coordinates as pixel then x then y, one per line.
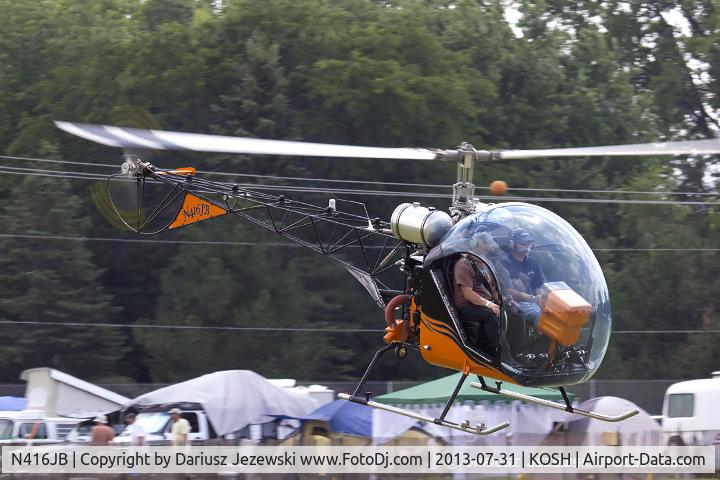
pixel 162 140
pixel 690 147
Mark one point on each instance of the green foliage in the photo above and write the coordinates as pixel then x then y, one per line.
pixel 55 283
pixel 157 12
pixel 403 73
pixel 244 287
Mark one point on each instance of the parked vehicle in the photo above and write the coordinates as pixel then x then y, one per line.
pixel 33 426
pixel 155 420
pixel 231 404
pixel 690 413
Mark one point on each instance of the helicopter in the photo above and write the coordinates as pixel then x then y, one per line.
pixel 561 340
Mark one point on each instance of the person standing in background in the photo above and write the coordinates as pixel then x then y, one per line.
pixel 135 430
pixel 180 428
pixel 101 434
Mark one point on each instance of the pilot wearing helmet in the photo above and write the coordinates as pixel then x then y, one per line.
pixel 526 275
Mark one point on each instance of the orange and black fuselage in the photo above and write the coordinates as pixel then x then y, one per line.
pixel 442 342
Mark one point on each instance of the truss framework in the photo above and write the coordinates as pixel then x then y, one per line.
pixel 360 243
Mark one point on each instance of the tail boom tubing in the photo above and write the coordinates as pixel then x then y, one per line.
pixel 287 217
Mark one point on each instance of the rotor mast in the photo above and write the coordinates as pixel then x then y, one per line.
pixel 463 201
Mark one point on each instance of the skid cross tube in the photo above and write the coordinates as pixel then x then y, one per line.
pixel 548 403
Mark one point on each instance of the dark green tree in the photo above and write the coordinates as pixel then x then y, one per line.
pixel 53 282
pixel 156 12
pixel 245 286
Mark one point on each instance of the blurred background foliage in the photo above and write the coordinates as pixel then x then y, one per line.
pixel 425 73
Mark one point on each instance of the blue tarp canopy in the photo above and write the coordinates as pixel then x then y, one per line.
pixel 344 417
pixel 12 403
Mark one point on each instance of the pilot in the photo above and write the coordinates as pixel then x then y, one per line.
pixel 526 275
pixel 477 306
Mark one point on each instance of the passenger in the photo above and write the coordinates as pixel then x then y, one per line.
pixel 526 275
pixel 476 296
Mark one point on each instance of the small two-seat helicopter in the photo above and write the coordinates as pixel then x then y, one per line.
pixel 565 343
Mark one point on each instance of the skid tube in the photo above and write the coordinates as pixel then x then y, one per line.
pixel 548 403
pixel 463 427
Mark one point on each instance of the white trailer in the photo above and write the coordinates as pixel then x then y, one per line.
pixel 691 413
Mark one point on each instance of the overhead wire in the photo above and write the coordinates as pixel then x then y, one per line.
pixel 370 182
pixel 247 329
pixel 91 176
pixel 28 174
pixel 63 172
pixel 248 175
pixel 278 329
pixel 191 327
pixel 283 244
pixel 146 241
pixel 345 191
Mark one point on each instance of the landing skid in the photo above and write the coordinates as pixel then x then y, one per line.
pixel 480 429
pixel 463 427
pixel 400 348
pixel 548 403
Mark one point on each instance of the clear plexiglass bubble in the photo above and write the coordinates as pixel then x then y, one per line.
pixel 536 258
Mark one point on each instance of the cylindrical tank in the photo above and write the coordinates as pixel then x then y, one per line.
pixel 416 224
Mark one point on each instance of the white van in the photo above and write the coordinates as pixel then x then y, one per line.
pixel 690 412
pixel 33 426
pixel 155 420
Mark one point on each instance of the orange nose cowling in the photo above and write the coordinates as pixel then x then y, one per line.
pixel 563 314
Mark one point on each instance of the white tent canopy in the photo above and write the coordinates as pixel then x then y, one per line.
pixel 57 393
pixel 529 424
pixel 233 399
pixel 637 430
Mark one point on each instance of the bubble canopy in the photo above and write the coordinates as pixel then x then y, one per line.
pixel 555 317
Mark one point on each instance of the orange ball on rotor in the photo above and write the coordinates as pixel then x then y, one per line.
pixel 498 187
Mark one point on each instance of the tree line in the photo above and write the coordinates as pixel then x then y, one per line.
pixel 424 73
